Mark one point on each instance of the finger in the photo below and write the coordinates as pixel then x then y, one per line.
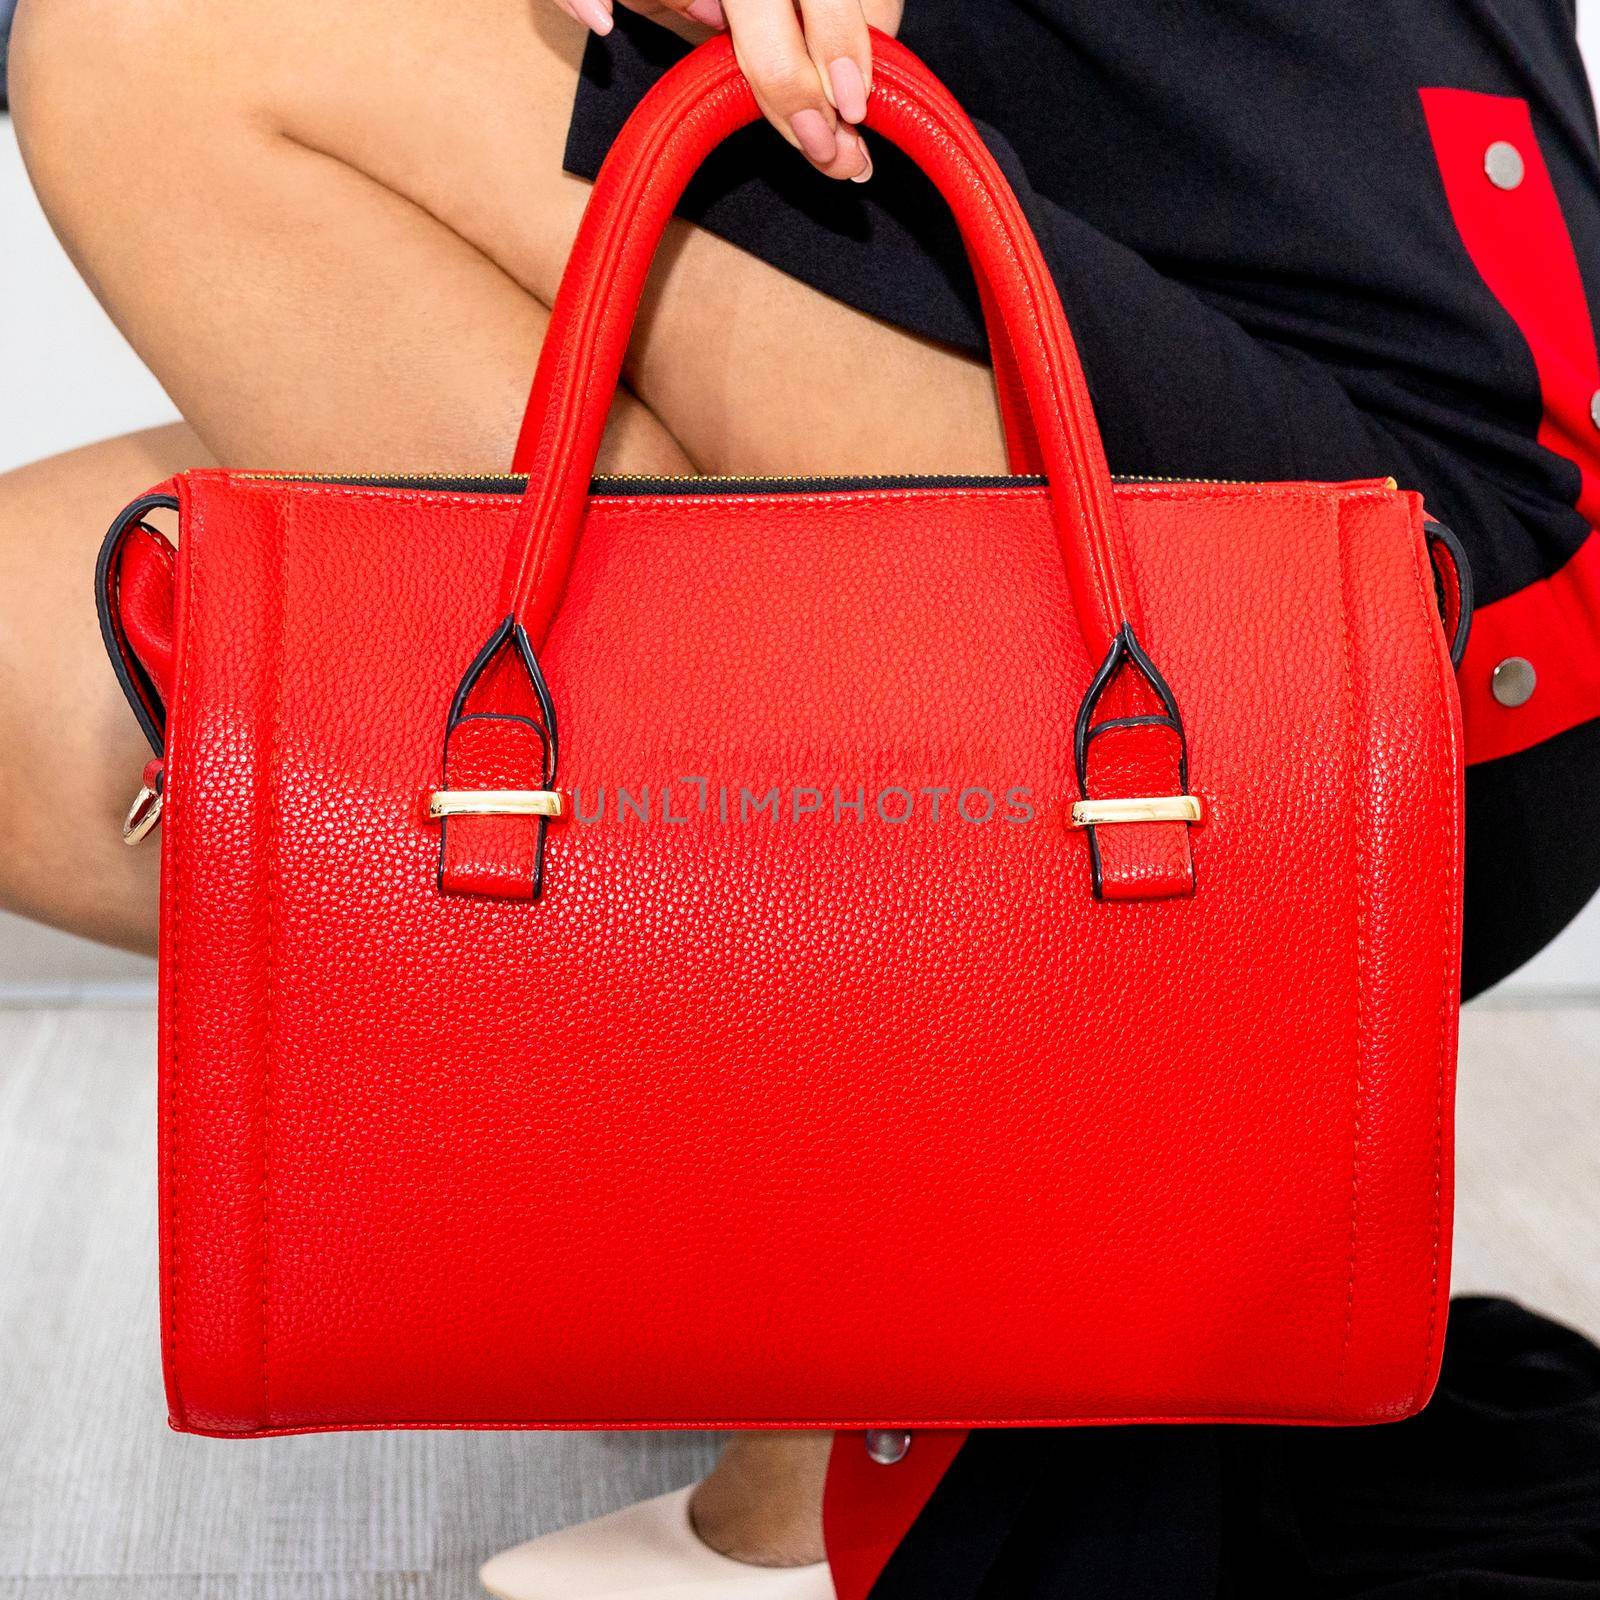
pixel 595 15
pixel 837 41
pixel 686 18
pixel 771 51
pixel 884 15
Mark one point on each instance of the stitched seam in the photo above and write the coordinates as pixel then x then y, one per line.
pixel 1358 856
pixel 1445 681
pixel 172 903
pixel 846 1424
pixel 269 997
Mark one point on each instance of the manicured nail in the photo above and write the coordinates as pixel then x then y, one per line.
pixel 814 135
pixel 866 160
pixel 593 15
pixel 849 91
pixel 707 12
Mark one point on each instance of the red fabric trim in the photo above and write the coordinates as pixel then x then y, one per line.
pixel 867 1509
pixel 1519 243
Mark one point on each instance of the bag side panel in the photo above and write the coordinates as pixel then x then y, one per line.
pixel 217 928
pixel 1407 816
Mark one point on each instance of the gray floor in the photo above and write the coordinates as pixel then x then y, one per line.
pixel 99 1502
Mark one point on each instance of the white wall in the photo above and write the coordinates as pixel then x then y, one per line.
pixel 67 377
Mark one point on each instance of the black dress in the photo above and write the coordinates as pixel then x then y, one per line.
pixel 1242 206
pixel 1492 1493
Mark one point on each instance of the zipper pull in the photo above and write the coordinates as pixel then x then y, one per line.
pixel 145 812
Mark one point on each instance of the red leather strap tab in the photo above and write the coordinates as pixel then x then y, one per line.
pixel 135 595
pixel 145 588
pixel 1139 860
pixel 1144 861
pixel 497 856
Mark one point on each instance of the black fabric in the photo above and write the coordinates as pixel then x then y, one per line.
pixel 1241 207
pixel 8 10
pixel 1492 1493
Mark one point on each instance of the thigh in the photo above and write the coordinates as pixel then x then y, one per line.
pixel 333 231
pixel 70 754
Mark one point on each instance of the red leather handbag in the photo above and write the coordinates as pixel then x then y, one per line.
pixel 981 951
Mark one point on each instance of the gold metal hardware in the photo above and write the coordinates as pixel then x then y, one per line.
pixel 496 803
pixel 1149 808
pixel 143 815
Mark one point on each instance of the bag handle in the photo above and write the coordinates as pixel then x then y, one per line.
pixel 690 111
pixel 692 108
pixel 1022 444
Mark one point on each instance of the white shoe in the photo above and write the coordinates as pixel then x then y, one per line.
pixel 645 1552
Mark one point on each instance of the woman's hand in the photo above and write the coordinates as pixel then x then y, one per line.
pixel 808 61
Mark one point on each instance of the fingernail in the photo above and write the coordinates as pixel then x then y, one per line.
pixel 707 12
pixel 815 137
pixel 849 91
pixel 593 15
pixel 866 158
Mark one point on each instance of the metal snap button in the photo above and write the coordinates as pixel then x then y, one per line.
pixel 1502 161
pixel 1594 408
pixel 1514 681
pixel 887 1446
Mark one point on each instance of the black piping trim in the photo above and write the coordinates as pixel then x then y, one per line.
pixel 1125 648
pixel 1152 721
pixel 1095 879
pixel 1446 539
pixel 138 689
pixel 511 633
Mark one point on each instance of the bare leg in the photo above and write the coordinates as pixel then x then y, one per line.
pixel 72 753
pixel 763 1503
pixel 333 232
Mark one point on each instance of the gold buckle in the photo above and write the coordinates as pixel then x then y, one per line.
pixel 496 803
pixel 1151 808
pixel 143 814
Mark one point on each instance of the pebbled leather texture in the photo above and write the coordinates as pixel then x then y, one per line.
pixel 805 1122
pixel 803 1115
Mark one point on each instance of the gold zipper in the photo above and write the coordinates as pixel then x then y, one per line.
pixel 713 477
